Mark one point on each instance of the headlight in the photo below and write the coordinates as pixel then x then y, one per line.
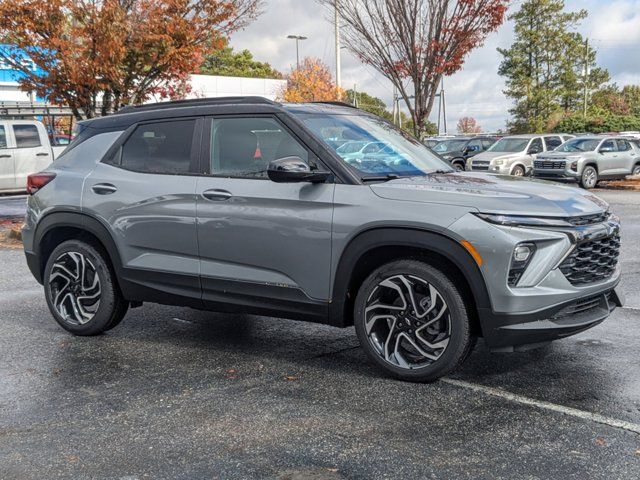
pixel 498 162
pixel 520 260
pixel 524 221
pixel 574 166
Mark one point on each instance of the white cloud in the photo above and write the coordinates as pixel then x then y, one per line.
pixel 614 28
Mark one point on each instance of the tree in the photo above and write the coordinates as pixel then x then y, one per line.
pixel 414 43
pixel 228 63
pixel 312 82
pixel 96 55
pixel 544 66
pixel 468 125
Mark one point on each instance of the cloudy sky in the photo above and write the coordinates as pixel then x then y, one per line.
pixel 613 27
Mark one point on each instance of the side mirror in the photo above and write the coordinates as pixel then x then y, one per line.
pixel 293 170
pixel 534 150
pixel 606 150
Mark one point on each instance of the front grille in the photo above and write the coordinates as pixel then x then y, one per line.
pixel 480 165
pixel 549 164
pixel 592 261
pixel 588 219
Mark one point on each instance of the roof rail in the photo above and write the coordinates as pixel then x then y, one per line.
pixel 338 104
pixel 196 102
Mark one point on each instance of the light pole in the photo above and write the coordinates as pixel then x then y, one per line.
pixel 337 32
pixel 297 38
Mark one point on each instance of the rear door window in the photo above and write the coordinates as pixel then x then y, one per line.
pixel 163 147
pixel 26 136
pixel 3 137
pixel 623 146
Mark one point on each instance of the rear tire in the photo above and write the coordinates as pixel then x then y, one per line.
pixel 81 290
pixel 412 321
pixel 589 178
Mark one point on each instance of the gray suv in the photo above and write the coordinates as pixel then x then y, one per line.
pixel 245 205
pixel 589 159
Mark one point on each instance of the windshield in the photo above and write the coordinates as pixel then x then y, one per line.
pixel 450 146
pixel 385 150
pixel 510 145
pixel 579 145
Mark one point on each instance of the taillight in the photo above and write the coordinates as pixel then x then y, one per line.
pixel 36 181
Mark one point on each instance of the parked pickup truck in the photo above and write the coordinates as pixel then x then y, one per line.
pixel 24 149
pixel 589 159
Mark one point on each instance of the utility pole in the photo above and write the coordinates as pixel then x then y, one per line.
pixel 297 38
pixel 337 28
pixel 393 107
pixel 444 107
pixel 586 77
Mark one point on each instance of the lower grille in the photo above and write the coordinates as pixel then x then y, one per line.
pixel 550 165
pixel 592 261
pixel 585 306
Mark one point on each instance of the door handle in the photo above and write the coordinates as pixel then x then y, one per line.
pixel 42 154
pixel 5 156
pixel 104 189
pixel 217 195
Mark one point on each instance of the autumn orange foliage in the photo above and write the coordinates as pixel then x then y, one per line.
pixel 468 125
pixel 98 55
pixel 312 82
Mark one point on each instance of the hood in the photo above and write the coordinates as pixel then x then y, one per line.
pixel 561 155
pixel 493 194
pixel 497 156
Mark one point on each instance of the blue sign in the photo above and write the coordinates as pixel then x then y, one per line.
pixel 8 74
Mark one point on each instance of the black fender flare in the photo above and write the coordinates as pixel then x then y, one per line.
pixel 80 221
pixel 368 240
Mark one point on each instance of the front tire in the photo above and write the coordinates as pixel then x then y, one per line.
pixel 518 171
pixel 636 170
pixel 458 165
pixel 589 177
pixel 412 321
pixel 81 290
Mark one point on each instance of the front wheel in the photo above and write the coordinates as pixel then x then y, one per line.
pixel 459 166
pixel 589 178
pixel 412 321
pixel 636 170
pixel 81 291
pixel 518 171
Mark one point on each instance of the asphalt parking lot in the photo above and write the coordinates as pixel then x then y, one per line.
pixel 176 393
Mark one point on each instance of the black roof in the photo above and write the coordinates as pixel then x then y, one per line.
pixel 208 106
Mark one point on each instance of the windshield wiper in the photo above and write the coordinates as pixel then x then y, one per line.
pixel 380 178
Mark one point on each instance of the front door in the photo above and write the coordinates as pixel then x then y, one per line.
pixel 263 243
pixel 145 193
pixel 608 158
pixel 7 171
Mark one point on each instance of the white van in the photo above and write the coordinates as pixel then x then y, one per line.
pixel 24 149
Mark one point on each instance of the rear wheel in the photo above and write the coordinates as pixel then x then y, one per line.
pixel 81 291
pixel 589 177
pixel 412 321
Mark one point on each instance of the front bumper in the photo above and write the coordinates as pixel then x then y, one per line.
pixel 556 174
pixel 509 332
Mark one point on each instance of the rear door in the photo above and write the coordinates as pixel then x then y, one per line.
pixel 7 169
pixel 261 242
pixel 33 152
pixel 144 192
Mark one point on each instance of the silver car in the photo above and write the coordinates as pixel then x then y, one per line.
pixel 514 155
pixel 589 159
pixel 245 205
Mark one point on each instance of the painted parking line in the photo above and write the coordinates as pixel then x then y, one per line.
pixel 573 412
